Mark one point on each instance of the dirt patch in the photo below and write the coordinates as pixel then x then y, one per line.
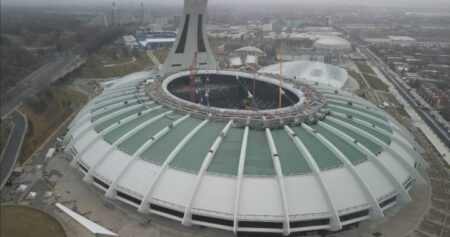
pixel 28 222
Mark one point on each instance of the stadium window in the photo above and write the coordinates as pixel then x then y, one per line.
pixel 260 224
pixel 129 198
pixel 354 215
pixel 212 220
pixel 166 210
pixel 299 224
pixel 200 41
pixel 182 43
pixel 388 201
pixel 101 183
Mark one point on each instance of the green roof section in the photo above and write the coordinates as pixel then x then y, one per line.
pixel 113 102
pixel 161 149
pixel 350 152
pixel 373 147
pixel 258 160
pixel 354 99
pixel 359 116
pixel 324 158
pixel 115 95
pixel 226 159
pixel 369 130
pixel 291 160
pixel 192 155
pixel 114 135
pixel 102 126
pixel 364 110
pixel 132 144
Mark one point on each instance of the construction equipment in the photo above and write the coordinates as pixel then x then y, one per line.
pixel 192 75
pixel 280 90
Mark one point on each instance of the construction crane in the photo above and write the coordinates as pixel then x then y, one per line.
pixel 280 89
pixel 192 75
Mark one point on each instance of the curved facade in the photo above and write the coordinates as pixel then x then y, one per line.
pixel 347 166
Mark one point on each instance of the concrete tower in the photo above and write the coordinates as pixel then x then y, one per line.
pixel 142 15
pixel 113 14
pixel 191 40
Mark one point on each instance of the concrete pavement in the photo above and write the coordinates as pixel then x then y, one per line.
pixel 12 149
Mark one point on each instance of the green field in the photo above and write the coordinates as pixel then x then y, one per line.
pixel 22 221
pixel 113 54
pixel 376 83
pixel 161 55
pixel 364 68
pixel 358 78
pixel 371 78
pixel 45 112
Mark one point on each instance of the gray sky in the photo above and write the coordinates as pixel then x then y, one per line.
pixel 427 3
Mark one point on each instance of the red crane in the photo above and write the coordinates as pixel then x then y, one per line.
pixel 192 75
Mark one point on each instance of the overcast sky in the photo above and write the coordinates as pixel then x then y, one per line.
pixel 427 3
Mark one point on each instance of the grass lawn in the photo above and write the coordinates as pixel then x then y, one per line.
pixel 376 83
pixel 364 68
pixel 161 54
pixel 113 54
pixel 15 39
pixel 45 112
pixel 22 221
pixel 400 109
pixel 358 78
pixel 371 77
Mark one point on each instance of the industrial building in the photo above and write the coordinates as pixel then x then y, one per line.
pixel 242 152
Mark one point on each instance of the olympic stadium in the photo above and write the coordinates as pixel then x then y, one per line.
pixel 241 152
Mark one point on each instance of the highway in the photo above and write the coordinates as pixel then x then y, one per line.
pixel 12 149
pixel 437 128
pixel 31 84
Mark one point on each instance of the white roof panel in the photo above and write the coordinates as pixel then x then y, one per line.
pixel 353 195
pixel 216 193
pixel 174 187
pixel 260 196
pixel 304 195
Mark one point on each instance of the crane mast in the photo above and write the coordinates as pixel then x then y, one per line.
pixel 192 75
pixel 280 90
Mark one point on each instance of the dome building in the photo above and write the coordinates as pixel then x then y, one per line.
pixel 310 72
pixel 239 152
pixel 332 43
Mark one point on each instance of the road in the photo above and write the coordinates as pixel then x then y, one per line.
pixel 437 128
pixel 12 149
pixel 31 84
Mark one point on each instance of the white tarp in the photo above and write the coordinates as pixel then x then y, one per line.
pixel 90 225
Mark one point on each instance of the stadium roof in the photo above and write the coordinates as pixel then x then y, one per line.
pixel 219 175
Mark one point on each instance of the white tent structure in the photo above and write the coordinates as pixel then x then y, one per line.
pixel 312 72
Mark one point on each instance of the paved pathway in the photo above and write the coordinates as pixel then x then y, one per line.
pixel 12 149
pixel 152 57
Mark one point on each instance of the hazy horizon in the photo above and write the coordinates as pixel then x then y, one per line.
pixel 429 4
